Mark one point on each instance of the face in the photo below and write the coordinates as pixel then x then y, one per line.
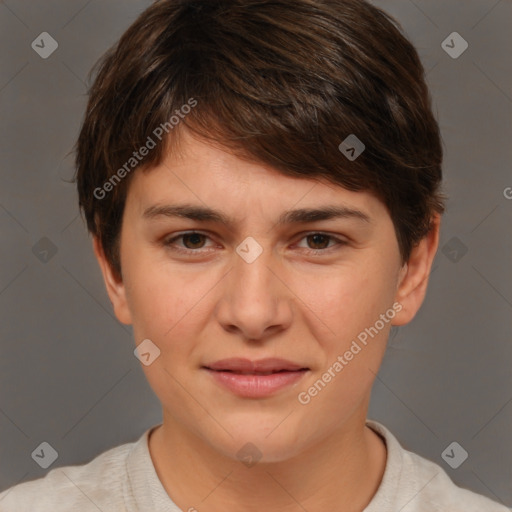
pixel 247 279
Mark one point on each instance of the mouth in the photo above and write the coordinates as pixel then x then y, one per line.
pixel 266 366
pixel 257 373
pixel 255 379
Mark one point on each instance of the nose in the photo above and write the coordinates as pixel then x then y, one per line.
pixel 255 302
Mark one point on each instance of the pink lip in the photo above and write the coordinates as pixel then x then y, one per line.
pixel 238 364
pixel 251 379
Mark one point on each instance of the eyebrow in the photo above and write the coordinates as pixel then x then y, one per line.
pixel 301 215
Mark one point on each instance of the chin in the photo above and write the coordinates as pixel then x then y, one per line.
pixel 268 442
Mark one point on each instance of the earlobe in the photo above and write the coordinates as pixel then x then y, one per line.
pixel 115 286
pixel 414 275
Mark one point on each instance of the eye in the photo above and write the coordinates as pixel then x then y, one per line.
pixel 320 242
pixel 193 242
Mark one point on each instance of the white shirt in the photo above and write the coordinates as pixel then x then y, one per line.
pixel 124 479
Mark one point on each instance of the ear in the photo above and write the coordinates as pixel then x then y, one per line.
pixel 413 278
pixel 114 285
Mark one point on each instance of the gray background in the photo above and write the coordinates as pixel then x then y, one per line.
pixel 68 375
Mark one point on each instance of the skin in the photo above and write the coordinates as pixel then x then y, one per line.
pixel 307 308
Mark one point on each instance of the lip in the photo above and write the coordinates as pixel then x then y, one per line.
pixel 241 365
pixel 255 379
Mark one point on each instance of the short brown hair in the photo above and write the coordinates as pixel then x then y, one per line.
pixel 279 82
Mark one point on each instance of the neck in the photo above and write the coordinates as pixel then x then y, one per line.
pixel 341 472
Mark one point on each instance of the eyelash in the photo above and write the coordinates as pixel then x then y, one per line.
pixel 169 243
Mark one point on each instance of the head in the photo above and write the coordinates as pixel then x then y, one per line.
pixel 221 117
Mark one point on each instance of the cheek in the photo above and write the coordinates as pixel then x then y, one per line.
pixel 347 325
pixel 168 307
pixel 343 301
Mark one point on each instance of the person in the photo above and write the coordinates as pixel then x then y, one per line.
pixel 262 182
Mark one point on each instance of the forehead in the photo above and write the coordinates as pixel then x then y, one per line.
pixel 201 173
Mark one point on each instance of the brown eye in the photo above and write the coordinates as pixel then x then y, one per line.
pixel 191 243
pixel 318 241
pixel 193 240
